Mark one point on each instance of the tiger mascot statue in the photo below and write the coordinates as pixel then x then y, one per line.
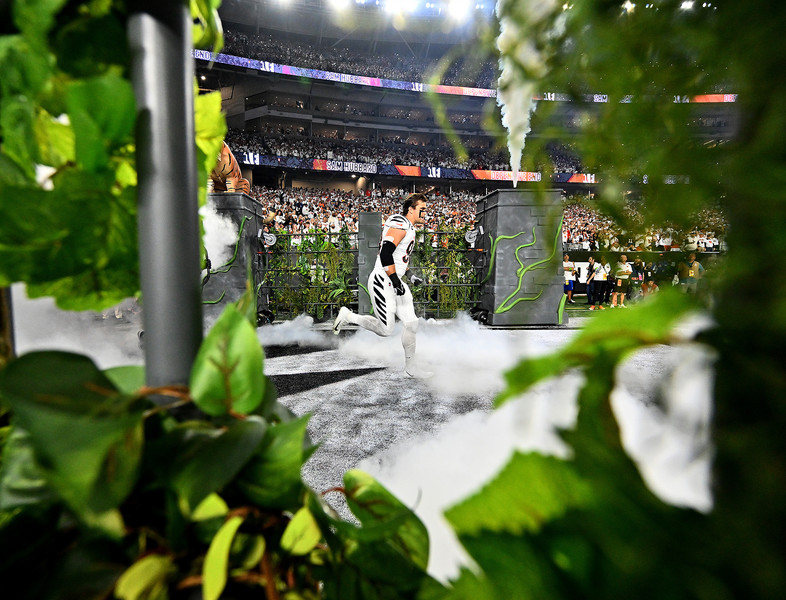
pixel 226 174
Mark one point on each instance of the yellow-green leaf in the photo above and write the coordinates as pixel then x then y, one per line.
pixel 302 534
pixel 228 371
pixel 214 570
pixel 211 507
pixel 144 577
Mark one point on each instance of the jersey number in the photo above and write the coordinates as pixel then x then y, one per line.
pixel 405 258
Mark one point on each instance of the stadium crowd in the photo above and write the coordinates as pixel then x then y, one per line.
pixel 393 151
pixel 587 229
pixel 299 211
pixel 343 59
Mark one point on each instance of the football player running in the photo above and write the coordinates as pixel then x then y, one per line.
pixel 390 296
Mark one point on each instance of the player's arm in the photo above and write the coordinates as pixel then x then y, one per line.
pixel 390 241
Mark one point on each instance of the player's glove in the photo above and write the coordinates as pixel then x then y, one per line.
pixel 397 285
pixel 416 281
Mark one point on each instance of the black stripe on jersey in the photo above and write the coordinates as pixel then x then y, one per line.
pixel 382 312
pixel 380 297
pixel 398 221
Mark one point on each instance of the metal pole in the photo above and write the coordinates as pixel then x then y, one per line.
pixel 159 37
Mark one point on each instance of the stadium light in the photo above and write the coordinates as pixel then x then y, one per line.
pixel 628 6
pixel 339 4
pixel 687 5
pixel 459 10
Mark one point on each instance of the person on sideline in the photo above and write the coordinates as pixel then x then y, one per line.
pixel 569 268
pixel 591 282
pixel 600 276
pixel 649 286
pixel 690 272
pixel 390 296
pixel 623 272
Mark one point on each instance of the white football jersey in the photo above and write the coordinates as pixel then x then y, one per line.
pixel 404 249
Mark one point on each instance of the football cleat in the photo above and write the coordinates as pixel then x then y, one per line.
pixel 416 372
pixel 341 319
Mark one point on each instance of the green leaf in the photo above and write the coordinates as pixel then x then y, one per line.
pixel 248 550
pixel 13 175
pixel 102 112
pixel 214 569
pixel 512 567
pixel 91 45
pixel 211 507
pixel 87 438
pixel 210 459
pixel 272 477
pixel 125 173
pixel 302 533
pixel 21 481
pixel 36 17
pixel 145 579
pixel 77 243
pixel 128 379
pixel 614 336
pixel 27 66
pixel 109 102
pixel 56 144
pixel 376 507
pixel 210 129
pixel 207 30
pixel 91 150
pixel 531 490
pixel 66 232
pixel 228 370
pixel 17 123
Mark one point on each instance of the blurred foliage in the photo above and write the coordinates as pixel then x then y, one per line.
pixel 67 152
pixel 104 492
pixel 618 540
pixel 110 495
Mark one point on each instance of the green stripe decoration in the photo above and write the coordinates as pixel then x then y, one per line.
pixel 494 249
pixel 561 309
pixel 523 271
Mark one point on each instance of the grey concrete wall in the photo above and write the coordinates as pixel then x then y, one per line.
pixel 369 235
pixel 522 277
pixel 232 283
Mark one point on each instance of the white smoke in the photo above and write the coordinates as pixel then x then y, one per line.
pixel 465 358
pixel 671 443
pixel 522 64
pixel 517 107
pixel 220 235
pixel 109 338
pixel 436 471
pixel 299 331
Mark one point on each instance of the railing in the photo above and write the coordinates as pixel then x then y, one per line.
pixel 451 270
pixel 316 273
